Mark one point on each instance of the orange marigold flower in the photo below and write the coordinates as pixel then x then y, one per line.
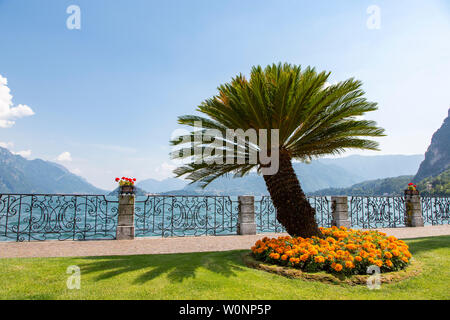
pixel 346 246
pixel 319 259
pixel 338 267
pixel 304 257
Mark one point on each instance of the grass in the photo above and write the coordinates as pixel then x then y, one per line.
pixel 214 275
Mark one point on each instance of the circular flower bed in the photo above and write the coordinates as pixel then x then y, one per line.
pixel 340 251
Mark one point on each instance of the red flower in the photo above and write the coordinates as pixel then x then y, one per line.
pixel 410 184
pixel 134 179
pixel 415 186
pixel 117 179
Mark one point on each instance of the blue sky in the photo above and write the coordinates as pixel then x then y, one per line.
pixel 106 97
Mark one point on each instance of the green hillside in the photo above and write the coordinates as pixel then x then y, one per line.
pixel 431 186
pixel 379 187
pixel 436 186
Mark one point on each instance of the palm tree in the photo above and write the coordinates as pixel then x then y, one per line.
pixel 313 119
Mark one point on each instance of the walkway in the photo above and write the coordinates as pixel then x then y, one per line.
pixel 167 245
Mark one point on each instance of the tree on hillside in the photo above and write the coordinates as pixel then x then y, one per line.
pixel 311 117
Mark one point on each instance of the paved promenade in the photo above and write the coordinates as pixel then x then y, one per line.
pixel 168 245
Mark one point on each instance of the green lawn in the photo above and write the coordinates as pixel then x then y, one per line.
pixel 215 275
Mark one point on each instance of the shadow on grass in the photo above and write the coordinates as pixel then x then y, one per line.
pixel 177 267
pixel 418 245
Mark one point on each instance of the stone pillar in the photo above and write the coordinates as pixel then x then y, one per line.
pixel 339 212
pixel 413 208
pixel 125 220
pixel 246 220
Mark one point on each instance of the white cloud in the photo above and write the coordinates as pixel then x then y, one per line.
pixel 165 170
pixel 65 156
pixel 6 145
pixel 9 145
pixel 9 113
pixel 24 153
pixel 75 171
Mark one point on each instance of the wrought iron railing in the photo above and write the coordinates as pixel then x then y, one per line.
pixel 376 212
pixel 26 217
pixel 435 210
pixel 170 216
pixel 265 213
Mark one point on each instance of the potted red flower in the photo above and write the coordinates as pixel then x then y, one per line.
pixel 412 189
pixel 126 185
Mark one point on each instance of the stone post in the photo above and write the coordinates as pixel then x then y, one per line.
pixel 413 208
pixel 339 212
pixel 246 220
pixel 125 220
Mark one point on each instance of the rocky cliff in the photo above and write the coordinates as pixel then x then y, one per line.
pixel 437 157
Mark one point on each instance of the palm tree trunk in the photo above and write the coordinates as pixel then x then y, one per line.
pixel 293 209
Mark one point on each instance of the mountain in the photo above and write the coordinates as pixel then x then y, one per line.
pixel 155 186
pixel 317 175
pixel 19 175
pixel 378 187
pixel 250 184
pixel 313 176
pixel 437 157
pixel 138 192
pixel 378 167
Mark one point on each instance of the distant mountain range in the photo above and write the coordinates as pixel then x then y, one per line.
pixel 378 167
pixel 19 175
pixel 317 175
pixel 137 191
pixel 155 186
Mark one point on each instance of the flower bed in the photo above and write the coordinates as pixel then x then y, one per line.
pixel 340 251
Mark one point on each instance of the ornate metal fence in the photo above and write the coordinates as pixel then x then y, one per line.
pixel 25 217
pixel 435 210
pixel 376 212
pixel 170 216
pixel 265 213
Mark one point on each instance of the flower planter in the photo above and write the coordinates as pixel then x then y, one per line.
pixel 411 192
pixel 127 189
